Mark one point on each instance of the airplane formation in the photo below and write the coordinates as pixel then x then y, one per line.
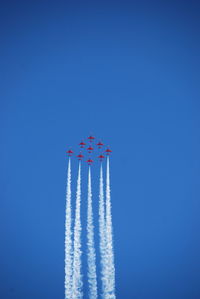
pixel 90 150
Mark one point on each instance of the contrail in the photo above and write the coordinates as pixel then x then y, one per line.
pixel 110 267
pixel 102 237
pixel 92 278
pixel 68 240
pixel 77 277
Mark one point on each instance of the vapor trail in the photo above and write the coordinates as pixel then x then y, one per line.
pixel 92 278
pixel 110 267
pixel 77 277
pixel 68 240
pixel 102 236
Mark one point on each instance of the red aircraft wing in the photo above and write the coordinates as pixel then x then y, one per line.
pixel 100 144
pixel 108 151
pixel 101 157
pixel 69 152
pixel 89 161
pixel 80 156
pixel 82 144
pixel 91 138
pixel 90 149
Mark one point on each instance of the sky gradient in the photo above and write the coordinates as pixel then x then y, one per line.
pixel 128 72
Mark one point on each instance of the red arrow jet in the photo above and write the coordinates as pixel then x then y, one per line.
pixel 89 161
pixel 91 138
pixel 101 157
pixel 82 144
pixel 80 157
pixel 69 152
pixel 100 144
pixel 108 151
pixel 90 149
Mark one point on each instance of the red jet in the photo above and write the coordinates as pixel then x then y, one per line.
pixel 100 144
pixel 89 161
pixel 80 157
pixel 90 149
pixel 108 151
pixel 101 157
pixel 91 138
pixel 69 152
pixel 82 144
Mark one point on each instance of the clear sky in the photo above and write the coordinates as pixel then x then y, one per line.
pixel 127 71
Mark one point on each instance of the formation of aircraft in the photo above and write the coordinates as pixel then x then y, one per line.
pixel 90 150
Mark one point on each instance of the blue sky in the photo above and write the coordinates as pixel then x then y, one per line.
pixel 129 73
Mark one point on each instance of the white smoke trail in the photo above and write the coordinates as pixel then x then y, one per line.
pixel 68 240
pixel 102 237
pixel 92 278
pixel 77 277
pixel 110 267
